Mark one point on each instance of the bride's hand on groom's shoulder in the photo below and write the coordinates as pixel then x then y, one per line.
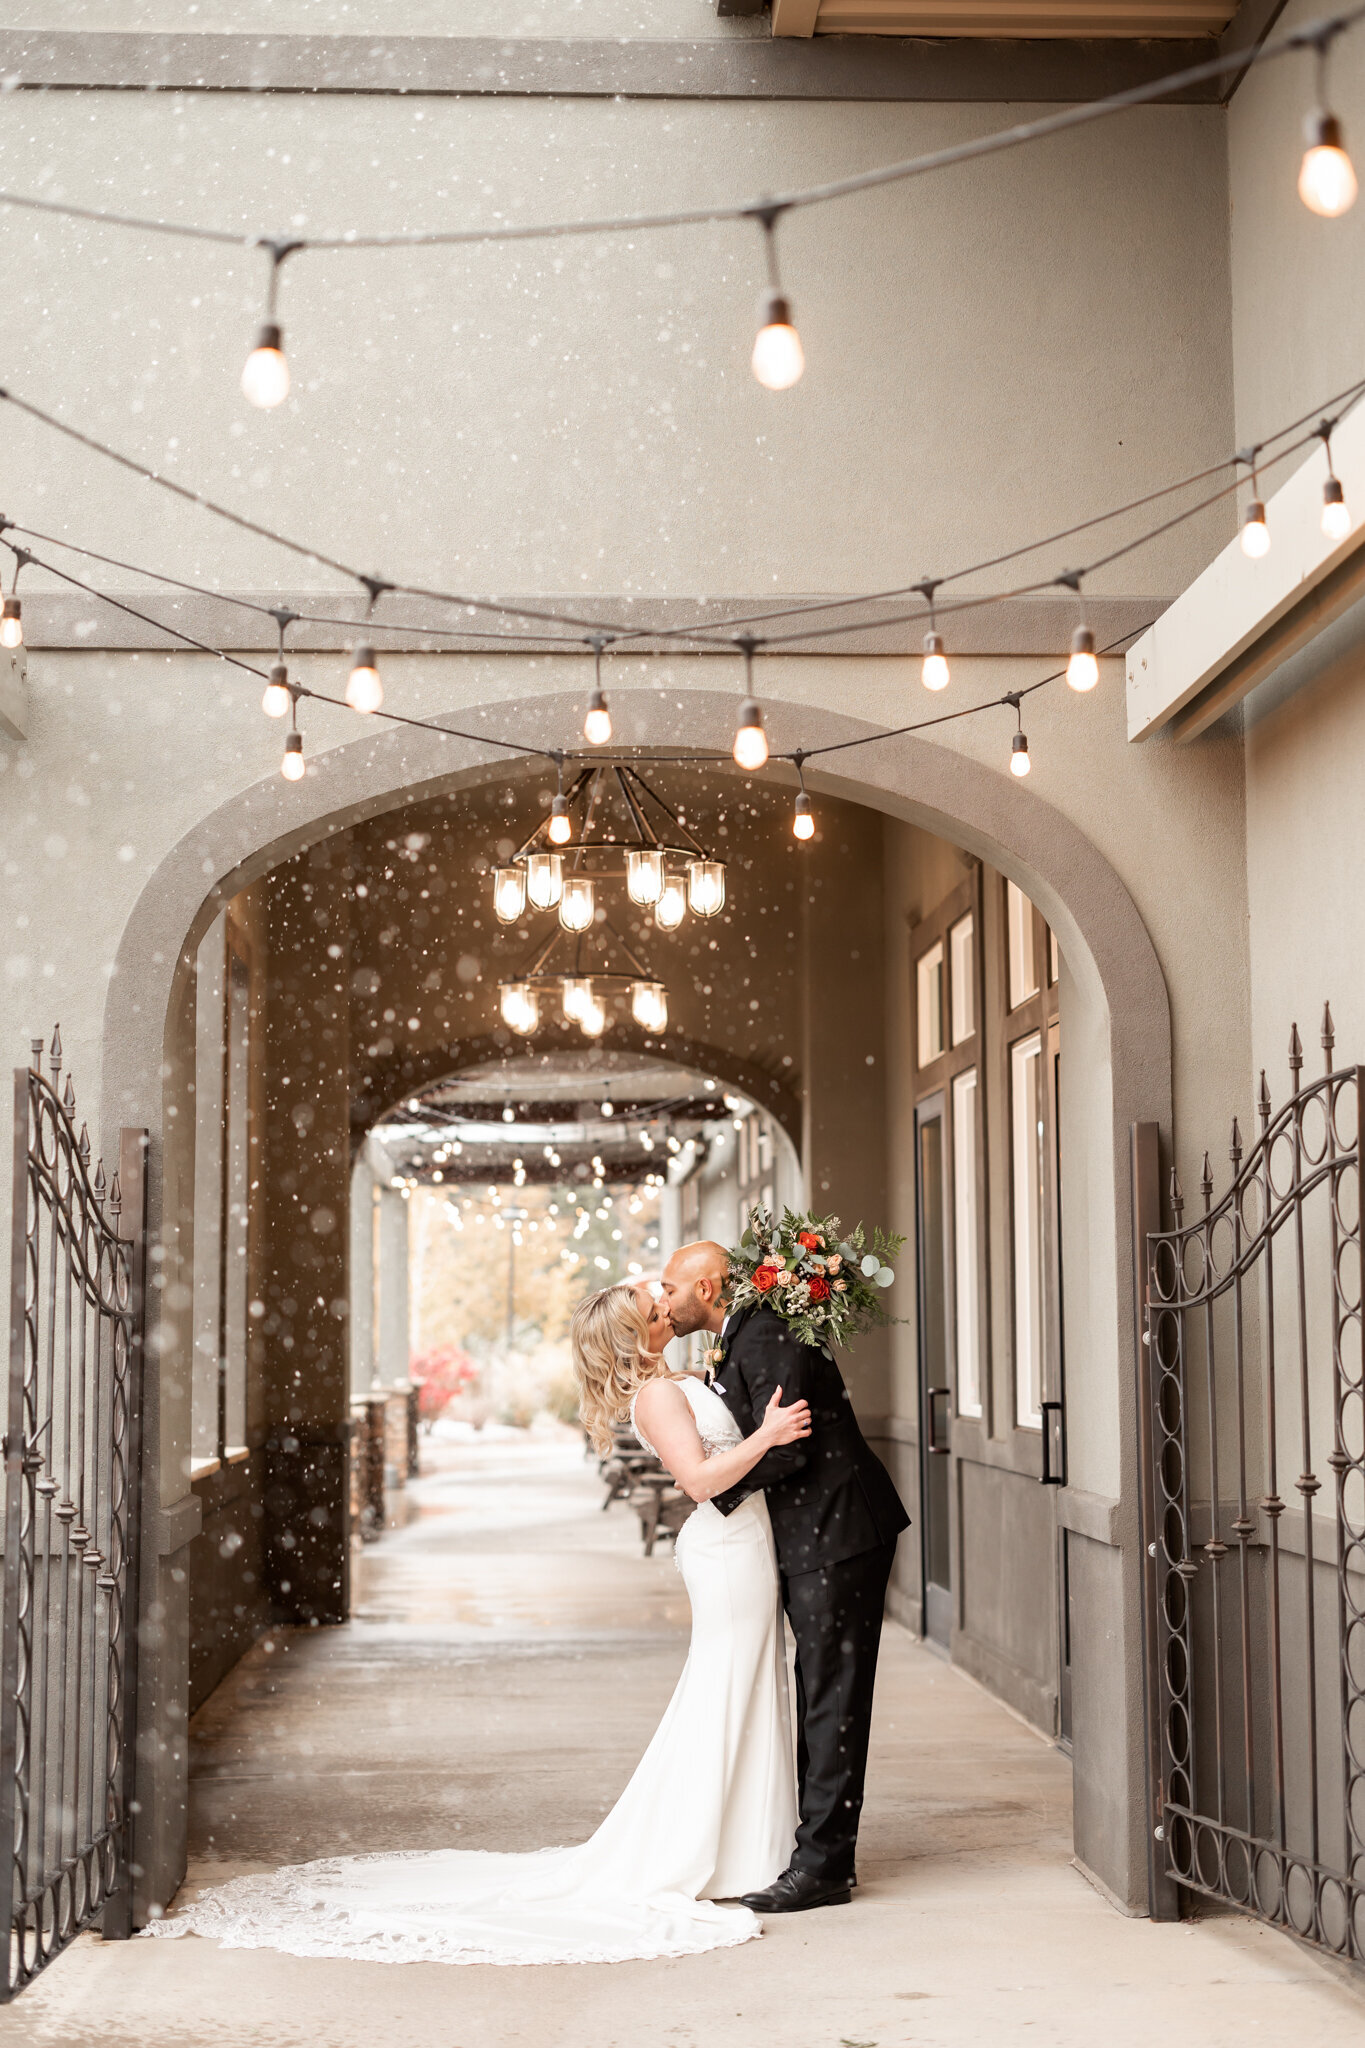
pixel 784 1425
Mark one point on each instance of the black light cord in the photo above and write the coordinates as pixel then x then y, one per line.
pixel 1317 36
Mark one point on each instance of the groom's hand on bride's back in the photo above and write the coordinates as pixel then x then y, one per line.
pixel 784 1425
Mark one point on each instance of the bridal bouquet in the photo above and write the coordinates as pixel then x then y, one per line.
pixel 824 1282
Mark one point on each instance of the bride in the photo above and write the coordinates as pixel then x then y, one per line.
pixel 711 1810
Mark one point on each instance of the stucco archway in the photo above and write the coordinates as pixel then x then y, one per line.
pixel 1117 1020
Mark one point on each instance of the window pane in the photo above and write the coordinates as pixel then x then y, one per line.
pixel 208 1195
pixel 1026 1180
pixel 1054 958
pixel 1023 966
pixel 929 994
pixel 965 1289
pixel 962 979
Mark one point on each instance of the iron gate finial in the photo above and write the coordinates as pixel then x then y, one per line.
pixel 1329 1035
pixel 1295 1055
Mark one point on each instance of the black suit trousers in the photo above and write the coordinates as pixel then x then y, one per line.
pixel 836 1617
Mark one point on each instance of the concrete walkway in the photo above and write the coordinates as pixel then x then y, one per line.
pixel 510 1655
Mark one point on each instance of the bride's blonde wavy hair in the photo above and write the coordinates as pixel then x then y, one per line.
pixel 611 1360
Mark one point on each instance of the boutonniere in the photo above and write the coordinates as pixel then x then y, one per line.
pixel 714 1358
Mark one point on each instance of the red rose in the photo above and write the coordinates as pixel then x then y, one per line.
pixel 810 1240
pixel 819 1289
pixel 764 1278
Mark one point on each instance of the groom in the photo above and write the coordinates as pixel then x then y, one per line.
pixel 835 1518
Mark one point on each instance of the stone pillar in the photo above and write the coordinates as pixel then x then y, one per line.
pixel 362 1324
pixel 391 1324
pixel 305 1281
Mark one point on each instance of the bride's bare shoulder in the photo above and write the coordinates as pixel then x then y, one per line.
pixel 661 1396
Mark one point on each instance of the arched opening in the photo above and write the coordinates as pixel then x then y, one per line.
pixel 808 1001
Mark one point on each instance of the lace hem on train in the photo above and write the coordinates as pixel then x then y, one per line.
pixel 290 1911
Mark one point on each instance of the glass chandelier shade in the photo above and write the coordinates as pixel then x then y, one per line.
pixel 649 1005
pixel 576 903
pixel 520 1007
pixel 645 876
pixel 592 1018
pixel 668 911
pixel 706 886
pixel 575 996
pixel 544 879
pixel 509 893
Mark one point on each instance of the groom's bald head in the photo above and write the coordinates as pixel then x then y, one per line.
pixel 694 1283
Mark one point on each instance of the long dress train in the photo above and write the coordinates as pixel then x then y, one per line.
pixel 709 1813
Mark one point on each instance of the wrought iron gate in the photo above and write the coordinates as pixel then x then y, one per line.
pixel 68 1671
pixel 1253 1381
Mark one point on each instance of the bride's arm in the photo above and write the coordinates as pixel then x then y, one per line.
pixel 667 1420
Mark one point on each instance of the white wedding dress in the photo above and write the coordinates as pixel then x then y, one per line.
pixel 709 1813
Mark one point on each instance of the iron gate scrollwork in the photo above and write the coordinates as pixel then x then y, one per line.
pixel 68 1671
pixel 1254 1378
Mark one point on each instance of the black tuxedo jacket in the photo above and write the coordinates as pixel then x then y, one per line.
pixel 829 1496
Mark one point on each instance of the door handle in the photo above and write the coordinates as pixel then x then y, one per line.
pixel 938 1449
pixel 1054 1433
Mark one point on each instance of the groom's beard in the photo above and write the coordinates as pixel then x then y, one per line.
pixel 688 1319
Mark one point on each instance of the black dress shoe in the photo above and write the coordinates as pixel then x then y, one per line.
pixel 796 1891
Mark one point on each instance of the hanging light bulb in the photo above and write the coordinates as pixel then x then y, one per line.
pixel 803 824
pixel 1255 532
pixel 934 672
pixel 560 828
pixel 544 879
pixel 1327 179
pixel 1019 760
pixel 597 724
pixel 364 690
pixel 575 995
pixel 645 875
pixel 520 1007
pixel 706 887
pixel 649 1005
pixel 592 1018
pixel 265 377
pixel 576 903
pixel 277 702
pixel 11 623
pixel 778 358
pixel 1082 671
pixel 292 766
pixel 1336 517
pixel 672 903
pixel 509 893
pixel 751 742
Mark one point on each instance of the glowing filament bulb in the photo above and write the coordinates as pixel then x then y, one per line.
pixel 1019 760
pixel 560 828
pixel 1336 518
pixel 706 887
pixel 751 742
pixel 645 876
pixel 778 358
pixel 544 879
pixel 575 996
pixel 509 894
pixel 11 623
pixel 1255 532
pixel 576 903
pixel 364 690
pixel 277 700
pixel 803 824
pixel 649 1007
pixel 597 724
pixel 934 673
pixel 668 911
pixel 1327 179
pixel 592 1018
pixel 292 766
pixel 1082 671
pixel 265 377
